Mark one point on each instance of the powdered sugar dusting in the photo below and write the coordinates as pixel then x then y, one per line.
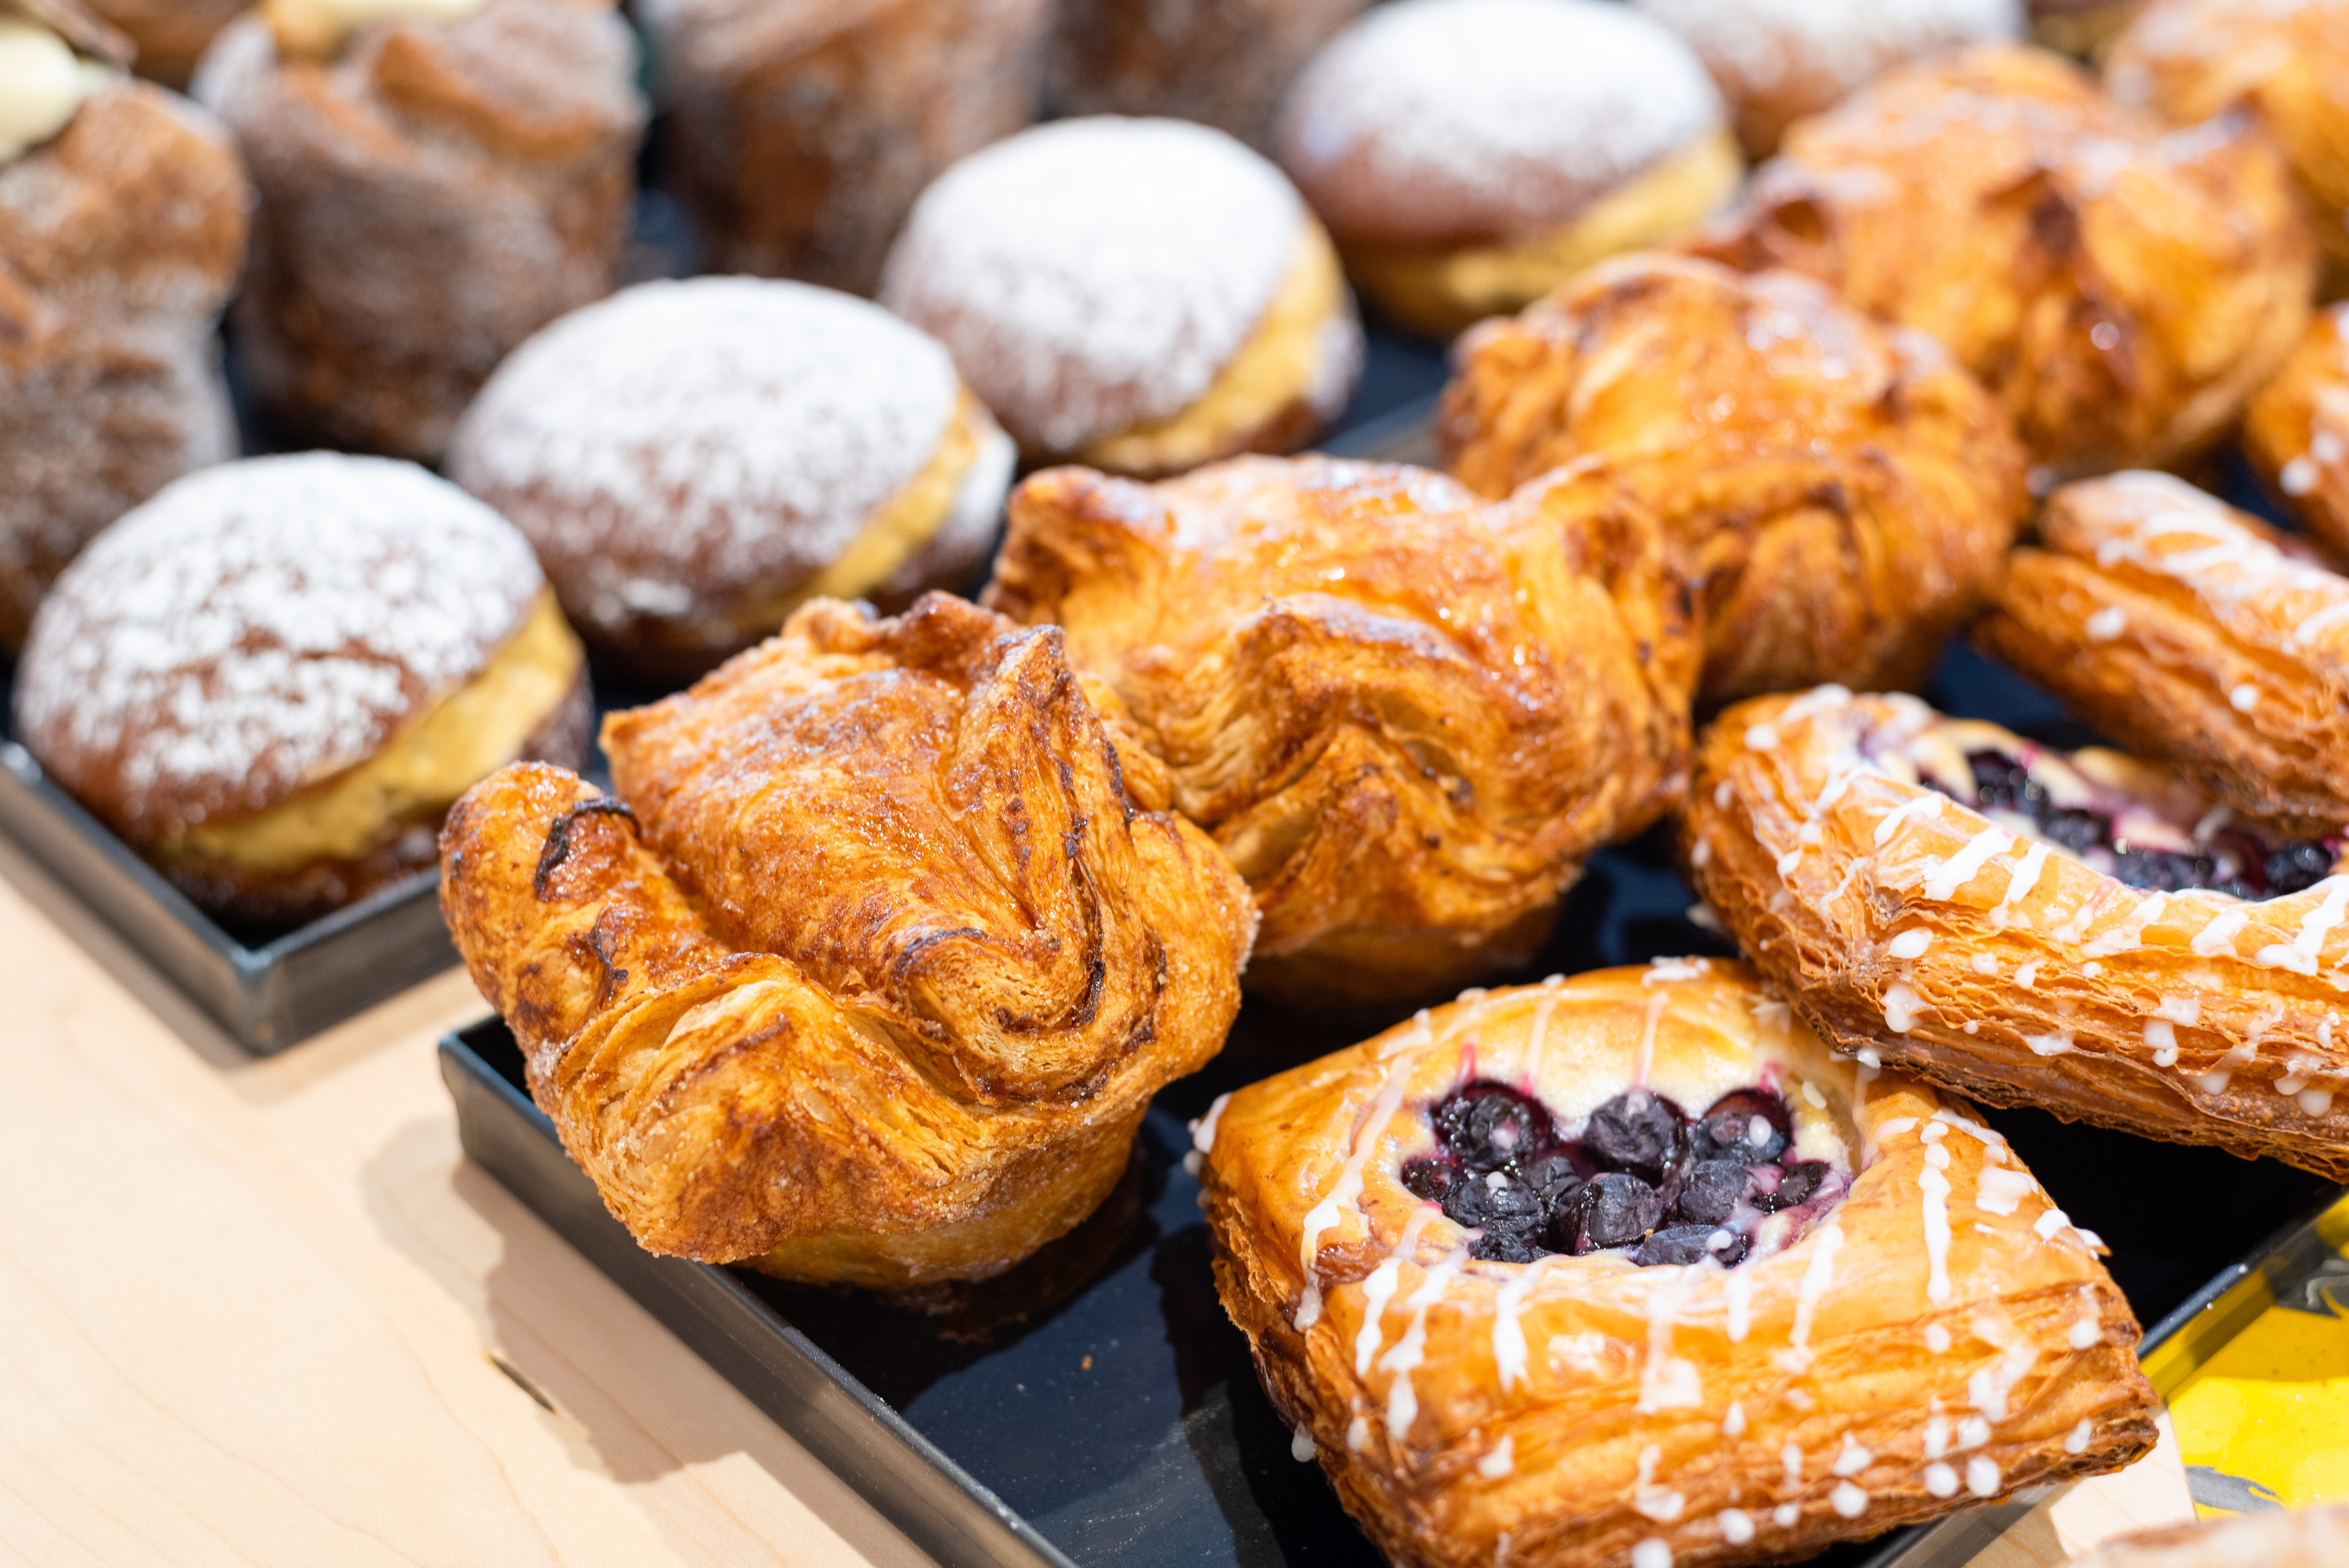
pixel 1096 273
pixel 1437 119
pixel 716 435
pixel 258 624
pixel 1760 44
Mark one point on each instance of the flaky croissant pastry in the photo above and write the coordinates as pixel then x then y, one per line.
pixel 2081 932
pixel 867 970
pixel 2296 431
pixel 2192 633
pixel 2120 286
pixel 1843 491
pixel 1406 714
pixel 1906 1323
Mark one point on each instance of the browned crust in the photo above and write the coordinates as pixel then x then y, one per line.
pixel 1821 930
pixel 1843 493
pixel 2000 201
pixel 2307 404
pixel 879 976
pixel 1224 65
pixel 168 36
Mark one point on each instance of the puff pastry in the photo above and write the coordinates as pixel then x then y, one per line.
pixel 2192 633
pixel 2094 940
pixel 1925 1330
pixel 1406 714
pixel 867 970
pixel 2296 431
pixel 2268 1537
pixel 2123 288
pixel 1843 491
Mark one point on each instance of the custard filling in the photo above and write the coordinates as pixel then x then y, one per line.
pixel 316 28
pixel 43 85
pixel 1282 359
pixel 467 734
pixel 1445 289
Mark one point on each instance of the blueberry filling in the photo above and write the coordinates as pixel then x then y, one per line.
pixel 1641 1175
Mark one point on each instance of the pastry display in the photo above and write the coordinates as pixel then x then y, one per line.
pixel 1627 1268
pixel 2259 1538
pixel 1778 61
pixel 2296 431
pixel 1843 493
pixel 2190 633
pixel 1406 714
pixel 1140 295
pixel 1224 63
pixel 1471 155
pixel 801 133
pixel 2287 63
pixel 274 678
pixel 123 228
pixel 170 35
pixel 693 461
pixel 2123 288
pixel 2081 932
pixel 439 180
pixel 868 967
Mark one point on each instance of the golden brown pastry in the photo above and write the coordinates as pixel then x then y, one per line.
pixel 1224 63
pixel 2081 932
pixel 1140 295
pixel 2296 431
pixel 2316 1537
pixel 2190 633
pixel 1407 716
pixel 439 180
pixel 2078 27
pixel 804 132
pixel 694 460
pixel 2284 61
pixel 123 228
pixel 1778 61
pixel 1471 155
pixel 170 35
pixel 1855 1307
pixel 273 678
pixel 866 971
pixel 1842 493
pixel 2121 287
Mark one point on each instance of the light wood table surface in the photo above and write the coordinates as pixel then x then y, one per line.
pixel 262 1311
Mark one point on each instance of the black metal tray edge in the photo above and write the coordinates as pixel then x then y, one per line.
pixel 266 997
pixel 936 1503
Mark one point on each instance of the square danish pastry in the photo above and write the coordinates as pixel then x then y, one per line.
pixel 1629 1266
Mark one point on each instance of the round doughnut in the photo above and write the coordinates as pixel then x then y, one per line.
pixel 1471 155
pixel 274 677
pixel 1140 295
pixel 1777 61
pixel 692 460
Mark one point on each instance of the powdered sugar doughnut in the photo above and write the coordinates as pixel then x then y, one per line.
pixel 1433 126
pixel 691 460
pixel 1099 277
pixel 1778 60
pixel 260 632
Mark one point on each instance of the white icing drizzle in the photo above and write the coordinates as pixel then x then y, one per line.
pixel 1852 1459
pixel 1358 1434
pixel 1785 1515
pixel 1791 1458
pixel 1936 1429
pixel 1989 1387
pixel 1300 1443
pixel 2083 1333
pixel 1959 868
pixel 2000 1190
pixel 1203 1131
pixel 1402 1403
pixel 1508 1331
pixel 1761 738
pixel 1737 1293
pixel 1928 804
pixel 1910 944
pixel 1660 1503
pixel 1902 1005
pixel 1500 1462
pixel 1668 1381
pixel 1378 1289
pixel 2299 955
pixel 1825 1243
pixel 1875 1140
pixel 1936 1189
pixel 1733 1422
pixel 2129 934
pixel 2076 1442
pixel 1941 1480
pixel 2162 1039
pixel 1736 1526
pixel 1981 1476
pixel 2218 936
pixel 2027 975
pixel 1937 1338
pixel 1349 1189
pixel 1647 1052
pixel 1847 1500
pixel 2020 883
pixel 1651 1554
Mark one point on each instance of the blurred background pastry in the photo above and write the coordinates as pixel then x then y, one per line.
pixel 2296 431
pixel 2287 63
pixel 799 133
pixel 123 211
pixel 1224 63
pixel 1471 155
pixel 2122 288
pixel 170 35
pixel 438 179
pixel 692 460
pixel 1140 295
pixel 273 678
pixel 1778 61
pixel 2078 27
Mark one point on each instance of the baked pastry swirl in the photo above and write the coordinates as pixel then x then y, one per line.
pixel 2191 633
pixel 1921 1330
pixel 866 970
pixel 1406 714
pixel 2082 932
pixel 273 678
pixel 1843 493
pixel 439 180
pixel 2122 287
pixel 2296 431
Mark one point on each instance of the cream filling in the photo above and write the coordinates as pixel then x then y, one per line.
pixel 43 85
pixel 1283 359
pixel 467 734
pixel 319 26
